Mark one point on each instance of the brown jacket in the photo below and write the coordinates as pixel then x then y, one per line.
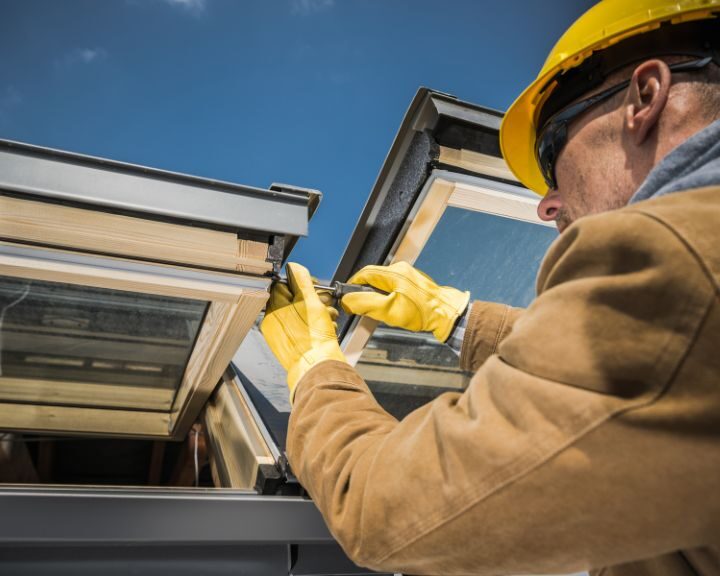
pixel 589 435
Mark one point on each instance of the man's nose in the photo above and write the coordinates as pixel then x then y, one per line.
pixel 549 206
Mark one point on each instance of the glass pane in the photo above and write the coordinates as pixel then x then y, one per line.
pixel 58 340
pixel 497 259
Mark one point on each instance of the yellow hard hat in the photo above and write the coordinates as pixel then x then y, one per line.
pixel 603 26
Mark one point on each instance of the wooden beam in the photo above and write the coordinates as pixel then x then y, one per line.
pixel 46 459
pixel 156 463
pixel 97 421
pixel 150 281
pixel 483 199
pixel 184 472
pixel 220 336
pixel 101 232
pixel 477 162
pixel 16 466
pixel 238 446
pixel 59 392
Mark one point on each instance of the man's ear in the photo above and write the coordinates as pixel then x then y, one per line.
pixel 648 95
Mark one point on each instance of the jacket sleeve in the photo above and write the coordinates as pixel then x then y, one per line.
pixel 488 324
pixel 569 450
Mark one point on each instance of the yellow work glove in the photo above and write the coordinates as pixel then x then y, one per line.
pixel 413 300
pixel 298 327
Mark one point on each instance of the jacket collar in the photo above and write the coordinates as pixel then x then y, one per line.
pixel 693 164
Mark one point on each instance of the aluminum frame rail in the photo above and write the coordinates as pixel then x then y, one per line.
pixel 68 177
pixel 111 531
pixel 74 516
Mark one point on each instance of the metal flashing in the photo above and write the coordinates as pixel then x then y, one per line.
pixel 314 199
pixel 60 176
pixel 437 105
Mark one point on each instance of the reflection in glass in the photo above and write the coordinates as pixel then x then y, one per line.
pixel 52 331
pixel 496 259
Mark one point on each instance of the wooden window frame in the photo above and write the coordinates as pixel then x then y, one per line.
pixel 445 189
pixel 239 449
pixel 90 230
pixel 235 300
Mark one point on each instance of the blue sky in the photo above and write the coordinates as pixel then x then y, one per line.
pixel 307 92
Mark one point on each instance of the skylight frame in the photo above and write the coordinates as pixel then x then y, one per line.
pixel 444 189
pixel 235 300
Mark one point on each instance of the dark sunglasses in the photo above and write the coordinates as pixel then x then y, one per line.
pixel 552 136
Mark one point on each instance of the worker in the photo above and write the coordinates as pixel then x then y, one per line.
pixel 589 435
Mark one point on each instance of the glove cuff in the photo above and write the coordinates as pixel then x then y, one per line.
pixel 453 304
pixel 325 351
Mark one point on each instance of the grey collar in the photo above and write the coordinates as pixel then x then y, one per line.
pixel 693 164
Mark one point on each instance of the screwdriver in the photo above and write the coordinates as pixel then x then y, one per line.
pixel 338 289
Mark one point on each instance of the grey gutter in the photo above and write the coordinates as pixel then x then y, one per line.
pixel 154 532
pixel 69 177
pixel 80 516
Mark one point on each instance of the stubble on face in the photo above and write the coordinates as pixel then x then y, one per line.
pixel 590 173
pixel 595 194
pixel 582 200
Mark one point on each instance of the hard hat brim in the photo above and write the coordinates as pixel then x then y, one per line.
pixel 517 138
pixel 604 25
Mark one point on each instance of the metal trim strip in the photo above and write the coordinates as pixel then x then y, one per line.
pixel 65 176
pixel 72 516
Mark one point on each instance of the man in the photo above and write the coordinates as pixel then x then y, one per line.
pixel 589 436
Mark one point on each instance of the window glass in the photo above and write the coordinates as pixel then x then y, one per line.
pixel 496 259
pixel 60 333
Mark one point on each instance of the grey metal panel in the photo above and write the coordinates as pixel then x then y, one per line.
pixel 64 176
pixel 315 197
pixel 468 112
pixel 79 516
pixel 317 559
pixel 78 531
pixel 143 560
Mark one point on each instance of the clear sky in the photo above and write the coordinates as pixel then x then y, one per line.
pixel 307 92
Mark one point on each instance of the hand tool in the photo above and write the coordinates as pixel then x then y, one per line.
pixel 337 289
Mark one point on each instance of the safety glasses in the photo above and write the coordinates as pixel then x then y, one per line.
pixel 552 136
